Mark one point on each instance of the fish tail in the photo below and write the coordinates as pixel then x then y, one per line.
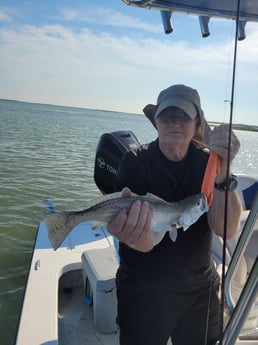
pixel 58 226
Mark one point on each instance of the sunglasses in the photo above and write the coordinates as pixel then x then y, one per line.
pixel 167 117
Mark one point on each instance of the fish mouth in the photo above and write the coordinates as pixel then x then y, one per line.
pixel 204 207
pixel 186 219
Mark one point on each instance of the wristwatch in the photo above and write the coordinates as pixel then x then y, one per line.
pixel 229 184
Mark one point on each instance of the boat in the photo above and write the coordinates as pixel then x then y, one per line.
pixel 70 295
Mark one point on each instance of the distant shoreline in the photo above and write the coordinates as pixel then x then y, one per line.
pixel 237 126
pixel 241 127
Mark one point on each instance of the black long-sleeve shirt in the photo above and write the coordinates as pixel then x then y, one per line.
pixel 184 265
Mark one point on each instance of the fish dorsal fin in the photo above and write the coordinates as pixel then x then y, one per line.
pixel 154 197
pixel 103 198
pixel 106 197
pixel 148 197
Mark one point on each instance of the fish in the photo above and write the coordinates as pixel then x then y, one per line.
pixel 166 216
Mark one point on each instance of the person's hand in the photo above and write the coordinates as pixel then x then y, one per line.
pixel 133 226
pixel 218 142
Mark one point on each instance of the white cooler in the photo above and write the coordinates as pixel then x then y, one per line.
pixel 99 268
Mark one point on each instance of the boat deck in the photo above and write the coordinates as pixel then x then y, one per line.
pixel 54 303
pixel 75 317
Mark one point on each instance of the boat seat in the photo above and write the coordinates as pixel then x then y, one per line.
pixel 247 189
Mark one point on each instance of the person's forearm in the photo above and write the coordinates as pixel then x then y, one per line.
pixel 217 210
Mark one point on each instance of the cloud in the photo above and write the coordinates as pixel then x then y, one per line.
pixel 248 50
pixel 108 17
pixel 50 46
pixel 56 64
pixel 4 16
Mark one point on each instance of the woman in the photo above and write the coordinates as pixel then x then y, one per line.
pixel 169 290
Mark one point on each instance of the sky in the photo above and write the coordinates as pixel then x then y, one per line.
pixel 104 54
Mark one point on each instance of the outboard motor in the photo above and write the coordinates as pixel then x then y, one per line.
pixel 110 150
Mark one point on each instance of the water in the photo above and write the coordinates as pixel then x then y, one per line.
pixel 48 152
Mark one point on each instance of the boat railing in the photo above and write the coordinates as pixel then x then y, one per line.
pixel 240 310
pixel 243 241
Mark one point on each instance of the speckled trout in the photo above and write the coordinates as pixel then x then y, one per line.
pixel 166 216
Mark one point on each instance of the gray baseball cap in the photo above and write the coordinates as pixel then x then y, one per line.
pixel 179 96
pixel 185 98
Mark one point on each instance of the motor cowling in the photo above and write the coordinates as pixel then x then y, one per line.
pixel 110 149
